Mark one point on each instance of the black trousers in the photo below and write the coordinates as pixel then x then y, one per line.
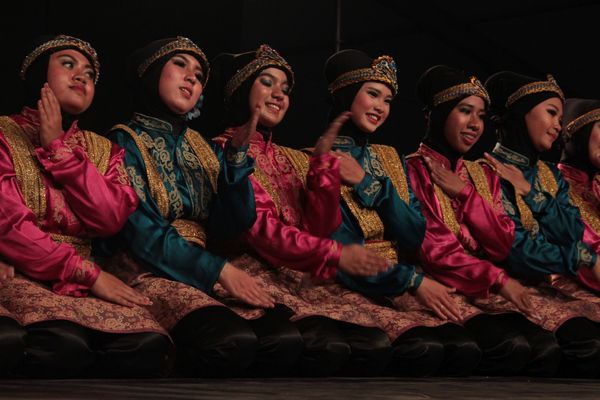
pixel 446 350
pixel 12 345
pixel 512 345
pixel 579 340
pixel 339 348
pixel 63 349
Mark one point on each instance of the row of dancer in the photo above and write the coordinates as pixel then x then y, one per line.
pixel 161 249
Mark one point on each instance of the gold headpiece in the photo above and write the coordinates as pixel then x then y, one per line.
pixel 471 88
pixel 265 57
pixel 549 85
pixel 579 122
pixel 58 42
pixel 178 45
pixel 383 69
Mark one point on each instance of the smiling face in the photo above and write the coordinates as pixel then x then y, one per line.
pixel 464 124
pixel 180 84
pixel 71 78
pixel 371 106
pixel 270 91
pixel 544 123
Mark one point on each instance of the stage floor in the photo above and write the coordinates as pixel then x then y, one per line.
pixel 290 389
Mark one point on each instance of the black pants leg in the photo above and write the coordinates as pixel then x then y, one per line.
pixel 12 345
pixel 505 351
pixel 579 340
pixel 214 342
pixel 417 353
pixel 370 350
pixel 325 349
pixel 461 352
pixel 545 356
pixel 279 344
pixel 56 349
pixel 132 355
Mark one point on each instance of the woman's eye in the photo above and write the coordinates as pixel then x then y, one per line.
pixel 68 64
pixel 372 93
pixel 266 81
pixel 552 112
pixel 465 110
pixel 179 63
pixel 90 74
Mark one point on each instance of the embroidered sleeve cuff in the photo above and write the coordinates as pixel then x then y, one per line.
pixel 236 156
pixel 536 200
pixel 585 256
pixel 55 152
pixel 500 282
pixel 85 274
pixel 367 190
pixel 415 281
pixel 323 161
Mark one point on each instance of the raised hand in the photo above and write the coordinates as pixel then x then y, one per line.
pixel 350 170
pixel 326 140
pixel 6 272
pixel 510 173
pixel 357 260
pixel 519 295
pixel 50 116
pixel 450 182
pixel 436 296
pixel 110 288
pixel 244 287
pixel 242 138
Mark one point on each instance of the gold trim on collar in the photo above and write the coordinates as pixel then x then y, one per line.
pixel 479 179
pixel 58 42
pixel 383 69
pixel 549 85
pixel 206 156
pixel 265 57
pixel 548 184
pixel 581 121
pixel 472 88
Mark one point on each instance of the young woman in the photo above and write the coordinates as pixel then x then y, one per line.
pixel 548 227
pixel 297 207
pixel 380 210
pixel 61 187
pixel 191 191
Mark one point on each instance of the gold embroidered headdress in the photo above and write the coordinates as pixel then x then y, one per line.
pixel 62 42
pixel 264 57
pixel 179 44
pixel 471 88
pixel 579 113
pixel 382 69
pixel 549 85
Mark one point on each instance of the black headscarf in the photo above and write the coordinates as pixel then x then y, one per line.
pixel 433 82
pixel 34 69
pixel 509 120
pixel 577 132
pixel 145 68
pixel 342 94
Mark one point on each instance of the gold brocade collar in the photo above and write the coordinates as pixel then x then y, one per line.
pixel 510 155
pixel 152 123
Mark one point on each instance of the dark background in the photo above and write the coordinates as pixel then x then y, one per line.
pixel 531 37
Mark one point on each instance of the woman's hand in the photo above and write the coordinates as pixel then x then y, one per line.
pixel 244 287
pixel 358 260
pixel 519 295
pixel 50 116
pixel 350 170
pixel 6 272
pixel 436 296
pixel 110 288
pixel 450 182
pixel 325 141
pixel 510 173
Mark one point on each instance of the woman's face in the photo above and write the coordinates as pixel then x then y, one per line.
pixel 594 146
pixel 544 123
pixel 464 124
pixel 180 84
pixel 270 92
pixel 371 106
pixel 71 78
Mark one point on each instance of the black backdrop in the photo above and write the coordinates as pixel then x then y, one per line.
pixel 531 37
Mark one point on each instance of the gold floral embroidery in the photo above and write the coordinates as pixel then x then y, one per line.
pixel 392 165
pixel 205 155
pixel 544 181
pixel 191 231
pixel 122 175
pixel 98 149
pixel 60 154
pixel 588 214
pixel 137 182
pixel 384 248
pixel 83 246
pixel 373 188
pixel 299 161
pixel 478 177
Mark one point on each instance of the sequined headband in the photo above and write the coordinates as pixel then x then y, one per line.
pixel 265 57
pixel 383 69
pixel 471 88
pixel 549 85
pixel 579 122
pixel 59 42
pixel 181 44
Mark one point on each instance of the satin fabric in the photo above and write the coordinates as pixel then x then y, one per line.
pixel 296 234
pixel 452 259
pixel 81 202
pixel 149 236
pixel 557 246
pixel 589 190
pixel 403 223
